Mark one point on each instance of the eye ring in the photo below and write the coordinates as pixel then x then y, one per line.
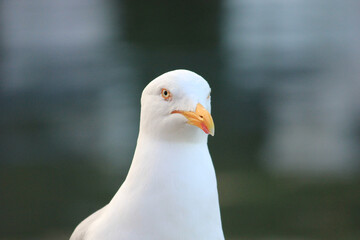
pixel 165 94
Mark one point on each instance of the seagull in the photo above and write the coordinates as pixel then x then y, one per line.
pixel 170 192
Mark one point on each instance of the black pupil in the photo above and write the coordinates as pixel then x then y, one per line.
pixel 165 93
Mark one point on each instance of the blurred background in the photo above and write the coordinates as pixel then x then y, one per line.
pixel 285 95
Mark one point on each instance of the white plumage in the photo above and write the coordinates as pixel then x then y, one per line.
pixel 170 192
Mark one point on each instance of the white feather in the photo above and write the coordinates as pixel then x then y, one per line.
pixel 170 192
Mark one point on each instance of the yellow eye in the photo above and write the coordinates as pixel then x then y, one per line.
pixel 165 94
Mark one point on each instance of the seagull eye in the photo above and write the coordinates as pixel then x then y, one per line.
pixel 165 94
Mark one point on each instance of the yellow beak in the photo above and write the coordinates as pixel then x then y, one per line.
pixel 201 118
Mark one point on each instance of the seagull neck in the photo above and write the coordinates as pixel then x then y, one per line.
pixel 155 162
pixel 174 137
pixel 150 140
pixel 153 150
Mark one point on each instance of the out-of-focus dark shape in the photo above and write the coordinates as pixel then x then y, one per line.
pixel 174 24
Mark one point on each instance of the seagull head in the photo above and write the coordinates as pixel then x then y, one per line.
pixel 176 106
